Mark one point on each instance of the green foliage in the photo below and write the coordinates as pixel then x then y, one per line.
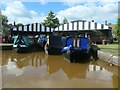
pixel 117 29
pixel 4 29
pixel 65 21
pixel 110 48
pixel 19 24
pixel 51 20
pixel 4 19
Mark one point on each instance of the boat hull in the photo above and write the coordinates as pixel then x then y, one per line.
pixel 41 45
pixel 54 51
pixel 21 49
pixel 77 56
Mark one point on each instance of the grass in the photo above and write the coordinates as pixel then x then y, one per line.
pixel 111 48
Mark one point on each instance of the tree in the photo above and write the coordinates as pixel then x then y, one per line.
pixel 4 22
pixel 65 21
pixel 117 29
pixel 51 20
pixel 4 19
pixel 19 24
pixel 0 22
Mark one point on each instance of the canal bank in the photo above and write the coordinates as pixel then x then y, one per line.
pixel 110 58
pixel 6 46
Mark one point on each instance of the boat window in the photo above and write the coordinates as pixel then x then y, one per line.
pixel 84 43
pixel 19 40
pixel 15 39
pixel 69 41
pixel 64 41
pixel 26 40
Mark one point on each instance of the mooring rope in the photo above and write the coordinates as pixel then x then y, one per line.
pixel 110 57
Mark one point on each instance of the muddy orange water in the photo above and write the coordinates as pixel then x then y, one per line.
pixel 39 70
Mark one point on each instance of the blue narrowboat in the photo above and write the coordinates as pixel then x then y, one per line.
pixel 41 42
pixel 79 49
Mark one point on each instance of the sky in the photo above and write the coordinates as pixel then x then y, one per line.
pixel 29 11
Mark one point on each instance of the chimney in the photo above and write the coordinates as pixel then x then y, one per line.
pixel 14 23
pixel 106 22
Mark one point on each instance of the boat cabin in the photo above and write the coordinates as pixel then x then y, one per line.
pixel 77 43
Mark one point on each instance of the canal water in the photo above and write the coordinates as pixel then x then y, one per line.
pixel 39 70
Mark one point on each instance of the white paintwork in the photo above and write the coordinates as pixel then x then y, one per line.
pixel 92 25
pixel 65 27
pixel 20 28
pixel 34 27
pixel 56 29
pixel 75 26
pixel 30 27
pixel 106 27
pixel 78 42
pixel 43 28
pixel 73 42
pixel 14 45
pixel 70 26
pixel 52 29
pixel 47 29
pixel 23 46
pixel 38 29
pixel 86 25
pixel 25 28
pixel 15 29
pixel 98 26
pixel 60 28
pixel 80 25
pixel 20 45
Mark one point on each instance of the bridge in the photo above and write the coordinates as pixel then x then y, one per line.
pixel 96 31
pixel 32 29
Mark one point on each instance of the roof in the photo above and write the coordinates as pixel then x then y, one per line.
pixel 8 25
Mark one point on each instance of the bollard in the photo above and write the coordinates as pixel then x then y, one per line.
pixel 104 42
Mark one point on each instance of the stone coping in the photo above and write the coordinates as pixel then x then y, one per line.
pixel 112 59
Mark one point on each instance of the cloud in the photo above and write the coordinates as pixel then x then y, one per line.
pixel 90 11
pixel 100 11
pixel 19 13
pixel 43 2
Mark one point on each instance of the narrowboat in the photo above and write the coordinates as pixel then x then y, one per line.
pixel 54 45
pixel 79 49
pixel 41 42
pixel 22 44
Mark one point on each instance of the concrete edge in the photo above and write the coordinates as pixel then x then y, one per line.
pixel 108 57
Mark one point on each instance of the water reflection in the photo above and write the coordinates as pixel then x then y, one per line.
pixel 12 68
pixel 39 66
pixel 56 63
pixel 34 59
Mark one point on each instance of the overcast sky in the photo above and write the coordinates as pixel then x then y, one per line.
pixel 36 11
